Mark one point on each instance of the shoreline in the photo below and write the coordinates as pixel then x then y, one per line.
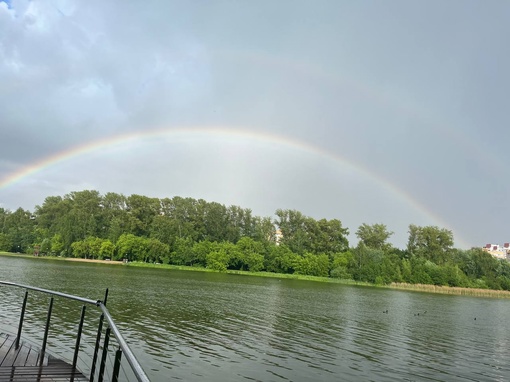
pixel 75 259
pixel 423 288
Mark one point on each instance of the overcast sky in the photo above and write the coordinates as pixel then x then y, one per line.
pixel 391 112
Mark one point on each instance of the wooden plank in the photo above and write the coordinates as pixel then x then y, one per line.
pixel 10 356
pixel 20 365
pixel 4 348
pixel 32 357
pixel 21 358
pixel 64 373
pixel 3 338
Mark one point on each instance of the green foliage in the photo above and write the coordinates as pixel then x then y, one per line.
pixel 280 259
pixel 200 251
pixel 57 244
pixel 90 248
pixel 45 247
pixel 155 250
pixel 141 210
pixel 5 242
pixel 432 243
pixel 186 231
pixel 129 247
pixel 107 250
pixel 312 265
pixel 304 234
pixel 341 264
pixel 218 260
pixel 79 249
pixel 374 236
pixel 251 252
pixel 406 271
pixel 19 226
pixel 182 253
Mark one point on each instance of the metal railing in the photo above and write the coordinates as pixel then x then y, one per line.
pixel 123 348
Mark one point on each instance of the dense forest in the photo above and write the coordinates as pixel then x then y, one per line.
pixel 186 231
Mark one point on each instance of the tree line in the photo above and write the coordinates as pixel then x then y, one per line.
pixel 187 231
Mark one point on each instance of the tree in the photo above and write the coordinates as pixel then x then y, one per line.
pixel 292 226
pixel 367 263
pixel 432 243
pixel 280 259
pixel 263 230
pixel 215 221
pixel 141 210
pixel 19 226
pixel 5 242
pixel 80 249
pixel 46 247
pixel 374 236
pixel 183 251
pixel 156 250
pixel 252 254
pixel 130 247
pixel 94 246
pixel 200 251
pixel 218 260
pixel 57 244
pixel 313 265
pixel 107 250
pixel 340 265
pixel 304 234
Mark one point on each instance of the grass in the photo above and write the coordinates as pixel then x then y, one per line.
pixel 248 273
pixel 474 292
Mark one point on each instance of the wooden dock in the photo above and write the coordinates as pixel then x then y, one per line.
pixel 23 364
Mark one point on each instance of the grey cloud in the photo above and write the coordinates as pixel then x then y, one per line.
pixel 414 92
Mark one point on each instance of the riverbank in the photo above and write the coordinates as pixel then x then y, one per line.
pixel 62 258
pixel 402 286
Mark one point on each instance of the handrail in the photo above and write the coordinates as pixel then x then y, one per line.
pixel 133 362
pixel 60 294
pixel 137 368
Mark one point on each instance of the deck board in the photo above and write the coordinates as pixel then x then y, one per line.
pixel 32 357
pixel 21 364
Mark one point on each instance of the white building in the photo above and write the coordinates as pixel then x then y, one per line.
pixel 497 251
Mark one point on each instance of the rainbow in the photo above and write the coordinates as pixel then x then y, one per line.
pixel 190 133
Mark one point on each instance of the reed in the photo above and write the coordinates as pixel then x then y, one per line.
pixel 452 290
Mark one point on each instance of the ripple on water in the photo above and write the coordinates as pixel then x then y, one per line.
pixel 199 326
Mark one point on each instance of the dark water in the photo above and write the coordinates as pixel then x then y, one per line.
pixel 196 326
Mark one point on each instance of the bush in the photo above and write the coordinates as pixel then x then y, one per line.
pixel 217 260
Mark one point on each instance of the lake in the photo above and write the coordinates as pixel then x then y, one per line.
pixel 197 326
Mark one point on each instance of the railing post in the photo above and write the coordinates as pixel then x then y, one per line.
pixel 78 337
pixel 96 348
pixel 105 353
pixel 98 338
pixel 123 348
pixel 46 330
pixel 116 366
pixel 21 318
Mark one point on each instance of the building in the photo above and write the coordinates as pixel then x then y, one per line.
pixel 278 236
pixel 497 251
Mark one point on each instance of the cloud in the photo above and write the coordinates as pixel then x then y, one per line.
pixel 413 92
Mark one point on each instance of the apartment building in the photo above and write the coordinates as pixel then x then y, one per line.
pixel 500 252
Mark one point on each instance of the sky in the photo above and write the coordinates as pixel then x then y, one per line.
pixel 391 112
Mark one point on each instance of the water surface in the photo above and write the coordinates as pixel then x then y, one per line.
pixel 197 326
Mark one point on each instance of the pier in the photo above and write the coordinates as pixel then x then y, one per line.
pixel 25 363
pixel 22 361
